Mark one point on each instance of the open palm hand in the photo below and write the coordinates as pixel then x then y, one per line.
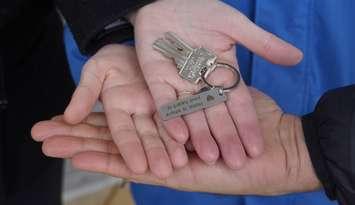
pixel 229 128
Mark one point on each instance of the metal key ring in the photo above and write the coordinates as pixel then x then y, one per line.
pixel 226 66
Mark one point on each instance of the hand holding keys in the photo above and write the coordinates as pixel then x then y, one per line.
pixel 193 65
pixel 230 128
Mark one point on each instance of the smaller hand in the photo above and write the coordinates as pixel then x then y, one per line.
pixel 113 75
pixel 285 166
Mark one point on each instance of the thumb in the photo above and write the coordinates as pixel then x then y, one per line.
pixel 86 94
pixel 264 104
pixel 265 44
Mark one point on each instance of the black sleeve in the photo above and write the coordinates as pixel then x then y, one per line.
pixel 88 21
pixel 330 138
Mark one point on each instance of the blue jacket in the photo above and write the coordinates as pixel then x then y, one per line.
pixel 324 31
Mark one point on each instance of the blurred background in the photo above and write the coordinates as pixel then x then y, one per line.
pixel 84 188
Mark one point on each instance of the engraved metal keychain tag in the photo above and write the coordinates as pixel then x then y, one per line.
pixel 206 98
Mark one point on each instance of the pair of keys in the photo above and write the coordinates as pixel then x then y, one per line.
pixel 194 65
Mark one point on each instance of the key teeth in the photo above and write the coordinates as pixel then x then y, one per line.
pixel 171 36
pixel 163 47
pixel 166 40
pixel 158 43
pixel 175 40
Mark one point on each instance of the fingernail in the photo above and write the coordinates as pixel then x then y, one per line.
pixel 298 56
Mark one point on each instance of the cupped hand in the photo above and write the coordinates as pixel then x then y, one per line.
pixel 285 166
pixel 230 128
pixel 113 75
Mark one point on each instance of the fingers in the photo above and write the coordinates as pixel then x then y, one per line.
pixel 226 135
pixel 176 151
pixel 264 106
pixel 73 139
pixel 201 137
pixel 86 94
pixel 126 138
pixel 241 108
pixel 158 158
pixel 163 93
pixel 261 42
pixel 222 123
pixel 260 98
pixel 67 146
pixel 45 129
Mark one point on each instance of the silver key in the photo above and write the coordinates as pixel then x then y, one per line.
pixel 201 62
pixel 192 63
pixel 206 98
pixel 173 47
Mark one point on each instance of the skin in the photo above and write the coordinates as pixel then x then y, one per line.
pixel 114 75
pixel 198 22
pixel 285 166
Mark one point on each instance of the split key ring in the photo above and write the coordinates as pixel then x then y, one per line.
pixel 235 71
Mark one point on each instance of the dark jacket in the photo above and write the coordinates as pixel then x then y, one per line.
pixel 330 137
pixel 35 83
